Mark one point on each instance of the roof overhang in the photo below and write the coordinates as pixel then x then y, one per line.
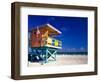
pixel 48 27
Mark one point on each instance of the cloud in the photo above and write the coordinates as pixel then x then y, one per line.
pixel 63 28
pixel 82 48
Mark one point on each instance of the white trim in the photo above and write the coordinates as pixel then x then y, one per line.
pixel 25 70
pixel 52 46
pixel 54 28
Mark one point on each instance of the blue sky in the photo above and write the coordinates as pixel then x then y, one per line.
pixel 74 30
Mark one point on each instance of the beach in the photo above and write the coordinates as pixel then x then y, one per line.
pixel 63 60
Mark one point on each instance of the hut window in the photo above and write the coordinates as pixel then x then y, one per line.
pixel 34 32
pixel 39 41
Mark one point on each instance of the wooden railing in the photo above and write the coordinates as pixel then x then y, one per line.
pixel 53 42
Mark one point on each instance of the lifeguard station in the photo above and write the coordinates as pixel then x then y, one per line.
pixel 42 44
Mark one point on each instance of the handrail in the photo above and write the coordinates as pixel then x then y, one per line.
pixel 53 39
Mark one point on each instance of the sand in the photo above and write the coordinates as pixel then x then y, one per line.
pixel 63 60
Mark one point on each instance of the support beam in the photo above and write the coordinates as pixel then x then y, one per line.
pixel 44 54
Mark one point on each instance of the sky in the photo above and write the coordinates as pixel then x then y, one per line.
pixel 74 30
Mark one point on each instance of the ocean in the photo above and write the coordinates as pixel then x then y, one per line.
pixel 72 53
